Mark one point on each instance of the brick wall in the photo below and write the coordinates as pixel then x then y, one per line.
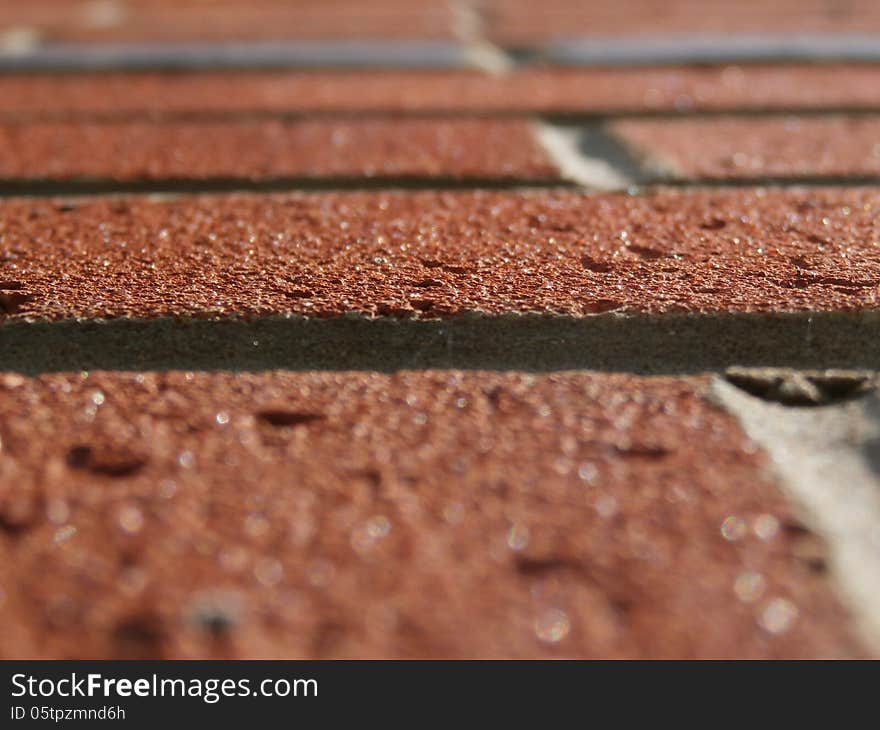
pixel 428 329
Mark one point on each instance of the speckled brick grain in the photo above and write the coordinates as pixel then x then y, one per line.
pixel 469 515
pixel 441 254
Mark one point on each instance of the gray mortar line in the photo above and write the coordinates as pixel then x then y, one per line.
pixel 219 56
pixel 707 48
pixel 468 28
pixel 827 459
pixel 673 344
pixel 23 49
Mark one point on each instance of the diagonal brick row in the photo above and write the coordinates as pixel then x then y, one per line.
pixel 272 150
pixel 441 254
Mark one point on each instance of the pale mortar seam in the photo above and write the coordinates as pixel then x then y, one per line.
pixel 561 146
pixel 822 458
pixel 468 28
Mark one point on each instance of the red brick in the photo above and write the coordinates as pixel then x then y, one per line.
pixel 737 148
pixel 117 21
pixel 261 150
pixel 595 90
pixel 469 515
pixel 521 22
pixel 442 254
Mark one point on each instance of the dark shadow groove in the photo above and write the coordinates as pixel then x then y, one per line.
pixel 60 57
pixel 646 344
pixel 562 117
pixel 588 116
pixel 597 141
pixel 644 182
pixel 831 181
pixel 48 188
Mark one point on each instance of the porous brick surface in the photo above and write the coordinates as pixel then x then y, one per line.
pixel 487 515
pixel 440 254
pixel 260 150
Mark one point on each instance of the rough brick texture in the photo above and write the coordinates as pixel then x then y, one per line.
pixel 441 254
pixel 477 515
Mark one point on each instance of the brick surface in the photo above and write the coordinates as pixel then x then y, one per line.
pixel 117 21
pixel 506 21
pixel 469 515
pixel 440 254
pixel 775 147
pixel 553 91
pixel 521 22
pixel 255 150
pixel 401 489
